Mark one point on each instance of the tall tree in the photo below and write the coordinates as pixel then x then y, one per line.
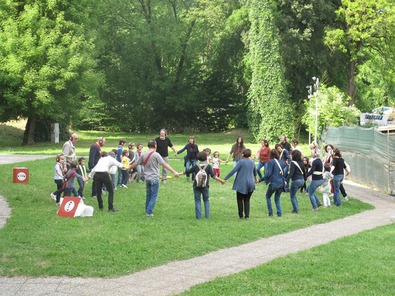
pixel 364 24
pixel 270 112
pixel 46 61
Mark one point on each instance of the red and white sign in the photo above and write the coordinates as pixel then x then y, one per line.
pixel 68 206
pixel 74 207
pixel 20 175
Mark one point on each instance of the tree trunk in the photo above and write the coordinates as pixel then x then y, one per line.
pixel 28 137
pixel 351 83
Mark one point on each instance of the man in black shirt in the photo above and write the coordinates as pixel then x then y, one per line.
pixel 285 143
pixel 162 145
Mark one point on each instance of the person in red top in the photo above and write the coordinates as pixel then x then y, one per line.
pixel 263 155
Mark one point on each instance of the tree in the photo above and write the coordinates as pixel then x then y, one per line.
pixel 333 110
pixel 270 112
pixel 364 24
pixel 46 61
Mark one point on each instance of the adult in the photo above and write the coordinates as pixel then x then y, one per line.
pixel 274 177
pixel 151 160
pixel 121 143
pixel 190 158
pixel 163 143
pixel 263 156
pixel 337 169
pixel 284 153
pixel 244 183
pixel 285 144
pixel 100 175
pixel 328 160
pixel 329 154
pixel 317 168
pixel 95 153
pixel 68 149
pixel 297 175
pixel 295 145
pixel 236 151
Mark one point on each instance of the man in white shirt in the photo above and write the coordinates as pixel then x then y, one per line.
pixel 100 174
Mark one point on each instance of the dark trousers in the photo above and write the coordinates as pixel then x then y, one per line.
pixel 342 190
pixel 243 202
pixel 100 179
pixel 58 192
pixel 94 191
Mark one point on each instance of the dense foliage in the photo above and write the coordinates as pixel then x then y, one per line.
pixel 189 65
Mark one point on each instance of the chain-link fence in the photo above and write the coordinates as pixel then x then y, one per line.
pixel 369 151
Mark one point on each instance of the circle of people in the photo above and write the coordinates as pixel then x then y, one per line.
pixel 285 170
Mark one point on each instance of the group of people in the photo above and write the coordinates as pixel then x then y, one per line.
pixel 287 169
pixel 283 170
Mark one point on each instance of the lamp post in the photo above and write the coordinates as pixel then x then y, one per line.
pixel 310 91
pixel 316 85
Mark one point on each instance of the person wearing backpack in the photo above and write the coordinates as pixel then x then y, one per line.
pixel 202 171
pixel 244 183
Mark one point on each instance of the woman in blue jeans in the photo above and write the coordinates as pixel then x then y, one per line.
pixel 315 172
pixel 297 175
pixel 274 177
pixel 337 169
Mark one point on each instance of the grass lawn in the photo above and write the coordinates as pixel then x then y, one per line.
pixel 362 264
pixel 36 242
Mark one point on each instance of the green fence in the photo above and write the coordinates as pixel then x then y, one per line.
pixel 370 152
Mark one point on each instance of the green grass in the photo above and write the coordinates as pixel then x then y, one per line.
pixel 36 242
pixel 362 264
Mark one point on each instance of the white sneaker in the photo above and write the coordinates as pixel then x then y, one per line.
pixel 124 186
pixel 53 196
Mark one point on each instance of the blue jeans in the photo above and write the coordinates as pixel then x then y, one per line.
pixel 198 205
pixel 151 194
pixel 81 185
pixel 277 193
pixel 295 185
pixel 189 164
pixel 119 177
pixel 314 184
pixel 70 190
pixel 125 177
pixel 337 180
pixel 113 180
pixel 258 168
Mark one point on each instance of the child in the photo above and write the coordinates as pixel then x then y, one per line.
pixel 113 170
pixel 132 159
pixel 204 190
pixel 326 186
pixel 59 171
pixel 70 176
pixel 216 163
pixel 208 152
pixel 125 170
pixel 81 170
pixel 139 168
pixel 307 166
